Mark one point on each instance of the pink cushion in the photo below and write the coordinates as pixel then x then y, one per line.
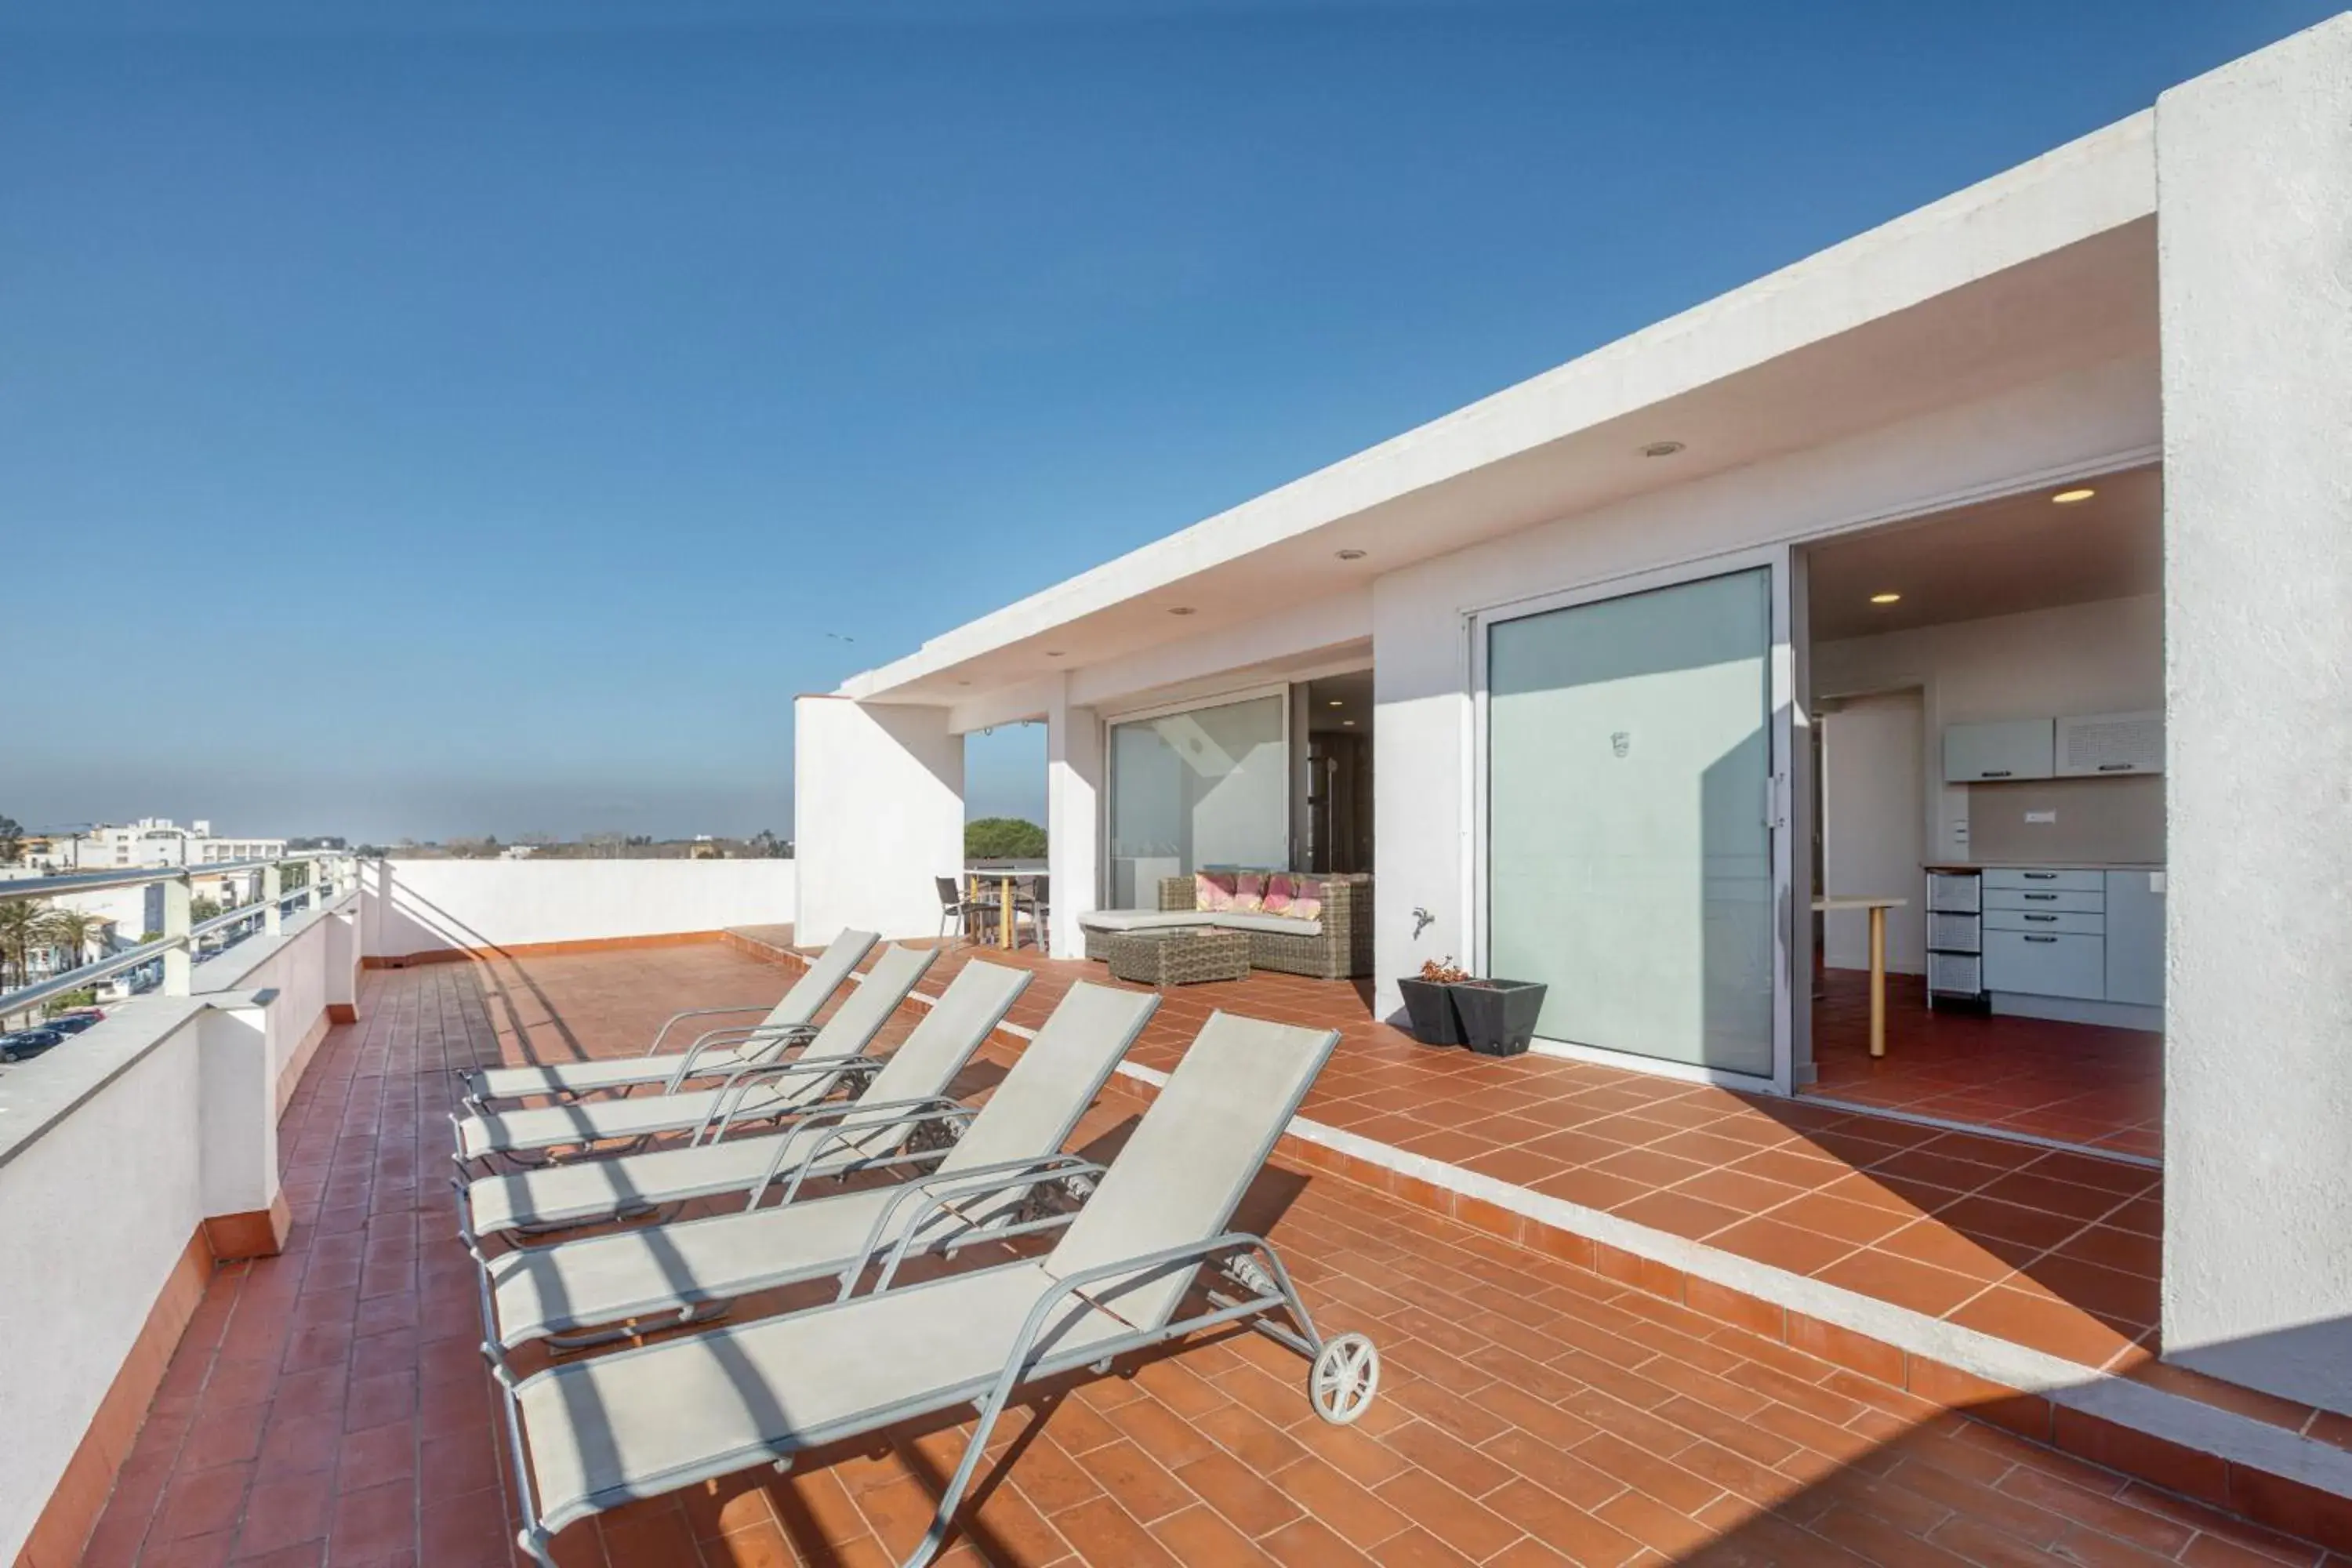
pixel 1249 892
pixel 1305 901
pixel 1278 893
pixel 1213 891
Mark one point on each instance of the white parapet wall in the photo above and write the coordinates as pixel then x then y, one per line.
pixel 131 1157
pixel 415 907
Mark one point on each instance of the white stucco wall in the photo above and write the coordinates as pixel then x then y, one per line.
pixel 114 1150
pixel 1422 735
pixel 2254 216
pixel 877 813
pixel 93 1214
pixel 296 966
pixel 423 906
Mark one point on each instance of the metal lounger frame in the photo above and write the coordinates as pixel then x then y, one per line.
pixel 786 1035
pixel 716 1124
pixel 943 1192
pixel 988 1396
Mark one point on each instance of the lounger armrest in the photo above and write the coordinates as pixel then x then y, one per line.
pixel 858 1116
pixel 743 1079
pixel 941 1193
pixel 771 1041
pixel 740 1032
pixel 703 1013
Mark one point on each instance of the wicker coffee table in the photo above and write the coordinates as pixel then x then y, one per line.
pixel 1185 956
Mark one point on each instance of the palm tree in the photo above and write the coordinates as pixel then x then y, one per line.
pixel 75 933
pixel 21 926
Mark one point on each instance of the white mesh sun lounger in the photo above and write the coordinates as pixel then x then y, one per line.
pixel 907 1085
pixel 974 1193
pixel 751 1091
pixel 591 1435
pixel 713 1053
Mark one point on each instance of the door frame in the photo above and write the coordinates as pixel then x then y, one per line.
pixel 1780 816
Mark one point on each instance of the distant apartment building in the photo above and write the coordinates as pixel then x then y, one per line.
pixel 155 841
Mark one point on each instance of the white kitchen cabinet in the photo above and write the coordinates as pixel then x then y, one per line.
pixel 2135 916
pixel 2034 963
pixel 1990 754
pixel 2103 745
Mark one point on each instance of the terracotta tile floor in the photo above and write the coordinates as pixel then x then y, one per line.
pixel 327 1406
pixel 2079 1083
pixel 2049 1248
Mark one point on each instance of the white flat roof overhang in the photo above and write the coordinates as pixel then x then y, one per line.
pixel 2046 268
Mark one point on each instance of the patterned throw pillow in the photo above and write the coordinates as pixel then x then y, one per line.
pixel 1306 903
pixel 1278 893
pixel 1213 891
pixel 1249 893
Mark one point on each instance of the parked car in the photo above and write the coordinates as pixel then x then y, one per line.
pixel 26 1044
pixel 75 1023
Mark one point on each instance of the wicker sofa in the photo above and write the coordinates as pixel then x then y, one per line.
pixel 1340 948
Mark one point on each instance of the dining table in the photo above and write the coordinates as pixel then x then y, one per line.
pixel 1003 874
pixel 1878 904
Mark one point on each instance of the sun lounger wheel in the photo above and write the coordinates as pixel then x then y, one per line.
pixel 1344 1377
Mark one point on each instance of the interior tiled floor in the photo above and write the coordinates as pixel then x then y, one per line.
pixel 328 1406
pixel 2079 1083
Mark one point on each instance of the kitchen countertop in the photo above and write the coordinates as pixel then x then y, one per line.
pixel 2044 866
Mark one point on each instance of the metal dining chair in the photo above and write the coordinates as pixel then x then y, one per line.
pixel 955 909
pixel 1032 894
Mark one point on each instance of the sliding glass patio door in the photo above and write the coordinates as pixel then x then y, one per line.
pixel 1203 788
pixel 1631 802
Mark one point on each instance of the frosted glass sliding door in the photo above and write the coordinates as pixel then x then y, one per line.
pixel 1205 788
pixel 1629 861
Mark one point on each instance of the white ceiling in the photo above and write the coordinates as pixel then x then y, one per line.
pixel 1352 692
pixel 2000 558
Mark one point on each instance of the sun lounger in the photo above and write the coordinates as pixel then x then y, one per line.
pixel 593 1434
pixel 907 1085
pixel 976 1190
pixel 751 1091
pixel 713 1054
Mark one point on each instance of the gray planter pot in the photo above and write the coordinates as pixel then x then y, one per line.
pixel 1498 1016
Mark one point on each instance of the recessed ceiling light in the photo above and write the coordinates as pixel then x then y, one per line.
pixel 1885 598
pixel 1180 609
pixel 1662 448
pixel 2068 498
pixel 1351 723
pixel 1349 554
pixel 1337 703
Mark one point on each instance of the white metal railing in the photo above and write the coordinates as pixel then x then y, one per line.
pixel 333 872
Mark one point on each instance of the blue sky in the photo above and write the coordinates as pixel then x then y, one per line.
pixel 447 418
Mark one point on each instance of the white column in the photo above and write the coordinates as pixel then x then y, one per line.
pixel 343 964
pixel 877 813
pixel 179 962
pixel 2254 225
pixel 238 1109
pixel 1074 824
